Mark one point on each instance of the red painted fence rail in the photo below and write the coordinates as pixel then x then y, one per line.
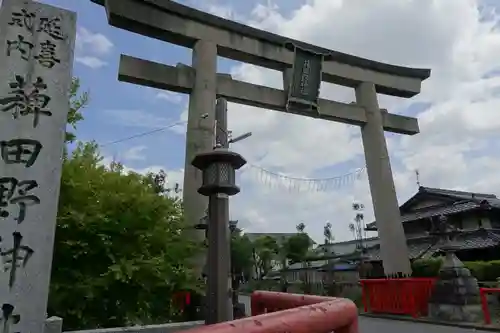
pixel 314 314
pixel 406 296
pixel 484 302
pixel 269 301
pixel 181 299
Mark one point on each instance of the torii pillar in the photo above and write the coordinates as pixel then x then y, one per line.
pixel 200 136
pixel 380 178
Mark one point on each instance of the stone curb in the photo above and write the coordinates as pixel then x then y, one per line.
pixel 430 322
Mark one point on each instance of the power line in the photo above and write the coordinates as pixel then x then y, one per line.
pixel 143 133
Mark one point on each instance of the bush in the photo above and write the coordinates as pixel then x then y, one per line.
pixel 481 270
pixel 491 270
pixel 253 285
pixel 121 250
pixel 426 267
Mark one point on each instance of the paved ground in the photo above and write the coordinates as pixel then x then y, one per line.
pixel 367 325
pixel 376 325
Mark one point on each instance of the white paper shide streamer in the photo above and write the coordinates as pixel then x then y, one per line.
pixel 278 180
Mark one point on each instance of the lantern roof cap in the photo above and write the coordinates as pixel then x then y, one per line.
pixel 203 160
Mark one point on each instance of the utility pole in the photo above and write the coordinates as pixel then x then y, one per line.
pixel 219 295
pixel 218 168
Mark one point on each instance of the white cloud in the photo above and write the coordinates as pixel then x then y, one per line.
pixel 91 47
pixel 134 154
pixel 169 97
pixel 95 43
pixel 458 145
pixel 222 11
pixel 91 62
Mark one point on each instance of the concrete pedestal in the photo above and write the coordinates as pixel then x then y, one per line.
pixel 456 294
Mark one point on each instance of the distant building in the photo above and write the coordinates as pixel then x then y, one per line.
pixel 476 214
pixel 280 237
pixel 346 247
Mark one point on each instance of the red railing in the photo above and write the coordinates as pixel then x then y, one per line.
pixel 316 315
pixel 484 302
pixel 181 299
pixel 269 301
pixel 409 296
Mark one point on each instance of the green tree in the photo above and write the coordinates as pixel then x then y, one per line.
pixel 78 101
pixel 297 250
pixel 297 247
pixel 120 248
pixel 283 257
pixel 265 250
pixel 158 181
pixel 327 233
pixel 241 254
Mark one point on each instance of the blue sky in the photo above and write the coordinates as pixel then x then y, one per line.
pixel 457 109
pixel 109 96
pixel 118 109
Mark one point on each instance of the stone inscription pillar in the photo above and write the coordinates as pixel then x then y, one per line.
pixel 36 60
pixel 393 247
pixel 199 135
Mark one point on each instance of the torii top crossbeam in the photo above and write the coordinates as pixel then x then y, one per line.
pixel 182 25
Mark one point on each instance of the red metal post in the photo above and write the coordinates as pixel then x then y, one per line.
pixel 484 302
pixel 364 296
pixel 182 299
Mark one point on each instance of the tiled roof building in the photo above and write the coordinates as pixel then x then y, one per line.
pixel 476 214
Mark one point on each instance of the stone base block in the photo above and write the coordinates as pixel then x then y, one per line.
pixel 458 313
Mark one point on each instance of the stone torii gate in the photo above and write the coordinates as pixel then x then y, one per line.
pixel 304 66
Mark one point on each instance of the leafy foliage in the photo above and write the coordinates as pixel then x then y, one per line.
pixel 327 233
pixel 265 250
pixel 158 181
pixel 77 103
pixel 297 247
pixel 120 248
pixel 241 254
pixel 481 270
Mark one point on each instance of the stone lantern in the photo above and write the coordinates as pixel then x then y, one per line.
pixel 233 224
pixel 456 293
pixel 218 167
